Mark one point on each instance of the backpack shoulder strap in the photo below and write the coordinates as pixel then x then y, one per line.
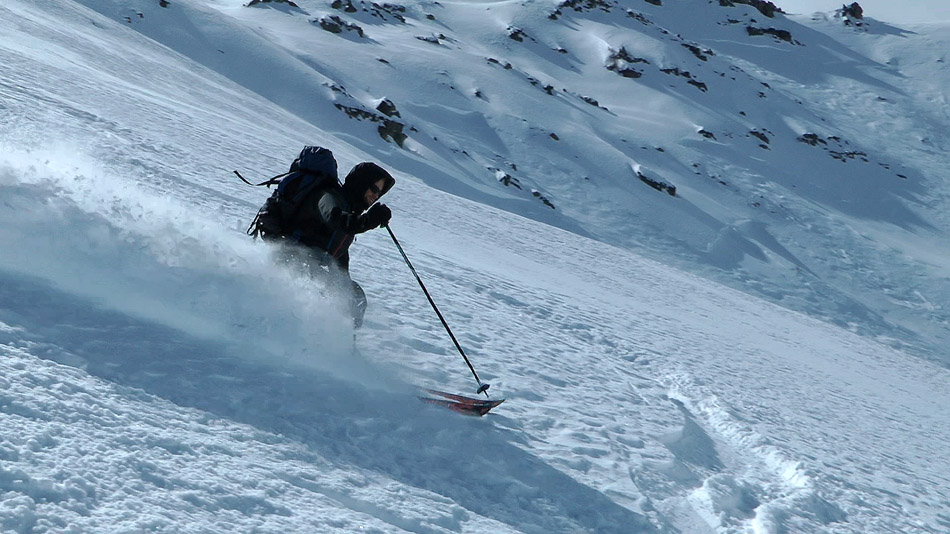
pixel 272 181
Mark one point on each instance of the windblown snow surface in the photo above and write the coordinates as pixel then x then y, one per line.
pixel 762 349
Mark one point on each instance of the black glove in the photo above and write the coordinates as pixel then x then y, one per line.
pixel 377 215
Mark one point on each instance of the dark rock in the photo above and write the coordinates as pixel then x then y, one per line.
pixel 699 85
pixel 675 71
pixel 507 65
pixel 581 5
pixel 811 139
pixel 619 62
pixel 542 198
pixel 256 2
pixel 761 136
pixel 657 184
pixel 508 180
pixel 347 6
pixel 766 8
pixel 382 10
pixel 639 16
pixel 386 107
pixel 388 129
pixel 516 34
pixel 783 35
pixel 853 11
pixel 335 24
pixel 699 52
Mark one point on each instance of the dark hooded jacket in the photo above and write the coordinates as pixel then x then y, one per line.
pixel 329 220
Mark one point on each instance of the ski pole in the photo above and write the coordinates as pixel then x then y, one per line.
pixel 482 388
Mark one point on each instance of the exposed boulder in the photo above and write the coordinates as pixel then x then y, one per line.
pixel 335 24
pixel 836 147
pixel 507 179
pixel 675 71
pixel 516 34
pixel 256 2
pixel 345 6
pixel 655 183
pixel 766 8
pixel 389 130
pixel 619 61
pixel 853 11
pixel 537 194
pixel 659 185
pixel 851 15
pixel 782 35
pixel 811 139
pixel 386 107
pixel 701 54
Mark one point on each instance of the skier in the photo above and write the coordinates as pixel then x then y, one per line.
pixel 315 219
pixel 318 229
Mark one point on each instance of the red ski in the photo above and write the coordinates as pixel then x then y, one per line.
pixel 460 403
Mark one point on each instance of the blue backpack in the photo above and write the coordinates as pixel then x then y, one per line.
pixel 313 170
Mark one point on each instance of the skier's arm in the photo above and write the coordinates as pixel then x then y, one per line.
pixel 331 211
pixel 350 222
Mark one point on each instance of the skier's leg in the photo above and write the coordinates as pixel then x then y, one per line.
pixel 357 304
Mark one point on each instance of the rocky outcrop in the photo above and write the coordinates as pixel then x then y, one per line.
pixel 851 15
pixel 257 2
pixel 619 61
pixel 766 8
pixel 335 24
pixel 853 11
pixel 659 185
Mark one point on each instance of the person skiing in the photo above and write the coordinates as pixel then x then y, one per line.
pixel 317 218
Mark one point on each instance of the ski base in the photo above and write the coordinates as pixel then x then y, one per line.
pixel 460 403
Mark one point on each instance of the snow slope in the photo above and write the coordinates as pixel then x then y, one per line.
pixel 760 353
pixel 920 11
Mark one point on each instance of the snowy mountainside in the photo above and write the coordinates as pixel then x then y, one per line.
pixel 159 373
pixel 177 392
pixel 786 144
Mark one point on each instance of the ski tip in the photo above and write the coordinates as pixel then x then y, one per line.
pixel 477 408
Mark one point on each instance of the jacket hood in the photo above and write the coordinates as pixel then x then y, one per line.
pixel 362 175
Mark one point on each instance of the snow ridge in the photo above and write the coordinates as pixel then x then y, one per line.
pixel 748 500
